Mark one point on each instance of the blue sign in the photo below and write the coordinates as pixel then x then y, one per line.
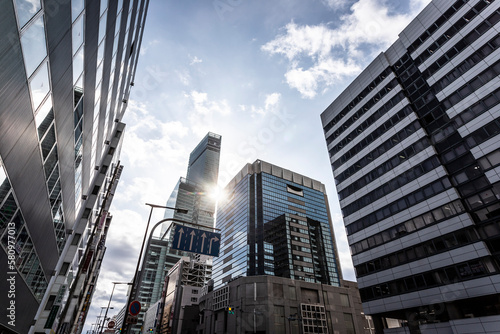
pixel 134 308
pixel 194 240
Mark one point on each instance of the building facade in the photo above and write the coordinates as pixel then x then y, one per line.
pixel 66 69
pixel 271 304
pixel 183 288
pixel 275 222
pixel 194 195
pixel 413 144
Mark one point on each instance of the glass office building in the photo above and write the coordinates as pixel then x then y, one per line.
pixel 413 143
pixel 66 69
pixel 275 222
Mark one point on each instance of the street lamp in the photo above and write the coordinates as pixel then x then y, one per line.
pixel 109 303
pixel 125 326
pixel 98 321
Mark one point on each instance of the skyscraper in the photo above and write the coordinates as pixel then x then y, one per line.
pixel 66 69
pixel 275 222
pixel 413 143
pixel 192 194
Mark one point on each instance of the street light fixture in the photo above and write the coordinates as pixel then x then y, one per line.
pixel 109 303
pixel 97 321
pixel 125 326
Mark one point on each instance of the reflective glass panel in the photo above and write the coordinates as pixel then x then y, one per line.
pixel 98 75
pixel 100 53
pixel 76 8
pixel 102 27
pixel 77 65
pixel 34 47
pixel 41 120
pixel 39 85
pixel 78 34
pixel 26 9
pixel 104 5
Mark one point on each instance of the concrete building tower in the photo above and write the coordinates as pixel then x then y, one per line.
pixel 413 144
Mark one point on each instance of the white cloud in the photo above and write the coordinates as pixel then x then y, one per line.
pixel 272 100
pixel 149 139
pixel 320 56
pixel 205 112
pixel 195 60
pixel 335 4
pixel 271 103
pixel 184 77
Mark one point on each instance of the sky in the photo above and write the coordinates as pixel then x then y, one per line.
pixel 259 73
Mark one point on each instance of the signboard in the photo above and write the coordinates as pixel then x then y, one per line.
pixel 131 320
pixel 111 324
pixel 134 308
pixel 194 240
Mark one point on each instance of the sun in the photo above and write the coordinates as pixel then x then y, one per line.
pixel 217 193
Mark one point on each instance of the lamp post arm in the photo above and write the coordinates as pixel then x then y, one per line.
pixel 133 291
pixel 107 308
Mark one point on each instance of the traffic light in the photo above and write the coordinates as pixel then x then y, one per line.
pixel 150 330
pixel 230 310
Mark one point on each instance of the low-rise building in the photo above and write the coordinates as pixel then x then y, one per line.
pixel 271 304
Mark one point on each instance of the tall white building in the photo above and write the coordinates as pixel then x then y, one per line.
pixel 414 147
pixel 66 70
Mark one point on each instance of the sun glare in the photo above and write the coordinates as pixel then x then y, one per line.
pixel 217 193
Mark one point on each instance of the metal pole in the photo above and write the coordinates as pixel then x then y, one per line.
pixel 107 308
pixel 109 303
pixel 125 326
pixel 254 320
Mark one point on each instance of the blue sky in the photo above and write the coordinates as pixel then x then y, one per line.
pixel 257 72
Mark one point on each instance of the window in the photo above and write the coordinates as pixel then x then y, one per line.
pixel 294 190
pixel 344 300
pixel 349 323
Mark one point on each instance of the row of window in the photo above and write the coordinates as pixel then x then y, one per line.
pixel 452 31
pixel 467 64
pixel 386 72
pixel 412 225
pixel 368 122
pixel 484 197
pixel 438 23
pixel 379 150
pixel 281 186
pixel 462 44
pixel 478 108
pixel 444 140
pixel 479 136
pixel 384 167
pixel 471 86
pixel 449 275
pixel 428 248
pixel 363 109
pixel 394 183
pixel 369 138
pixel 420 195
